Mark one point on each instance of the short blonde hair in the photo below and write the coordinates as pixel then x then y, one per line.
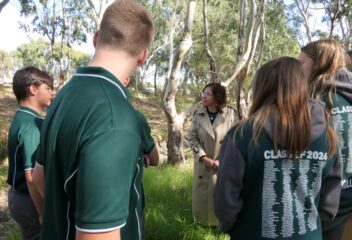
pixel 126 25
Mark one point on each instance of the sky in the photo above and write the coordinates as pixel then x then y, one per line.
pixel 12 36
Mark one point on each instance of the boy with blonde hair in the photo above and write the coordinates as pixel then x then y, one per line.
pixel 91 136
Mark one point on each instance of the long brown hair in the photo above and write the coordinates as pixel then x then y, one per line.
pixel 219 93
pixel 280 89
pixel 328 57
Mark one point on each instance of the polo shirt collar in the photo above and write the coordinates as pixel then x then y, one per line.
pixel 29 111
pixel 104 74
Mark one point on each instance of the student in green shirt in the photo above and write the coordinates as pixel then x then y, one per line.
pixel 279 172
pixel 329 80
pixel 91 139
pixel 33 90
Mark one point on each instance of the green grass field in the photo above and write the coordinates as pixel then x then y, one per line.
pixel 169 205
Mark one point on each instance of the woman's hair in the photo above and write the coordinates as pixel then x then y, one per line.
pixel 219 93
pixel 328 57
pixel 280 90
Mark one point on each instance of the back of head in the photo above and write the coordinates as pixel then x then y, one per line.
pixel 27 76
pixel 328 57
pixel 127 26
pixel 279 88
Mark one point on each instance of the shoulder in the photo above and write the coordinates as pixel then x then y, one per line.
pixel 200 110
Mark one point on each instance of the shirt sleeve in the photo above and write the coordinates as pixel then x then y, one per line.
pixel 30 138
pixel 227 195
pixel 193 139
pixel 147 139
pixel 106 166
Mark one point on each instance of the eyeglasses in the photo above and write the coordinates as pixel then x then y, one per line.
pixel 208 94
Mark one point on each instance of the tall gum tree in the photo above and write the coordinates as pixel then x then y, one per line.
pixel 174 119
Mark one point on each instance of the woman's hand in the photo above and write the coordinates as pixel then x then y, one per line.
pixel 210 163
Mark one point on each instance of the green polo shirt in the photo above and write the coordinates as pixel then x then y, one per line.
pixel 90 145
pixel 133 228
pixel 23 141
pixel 342 121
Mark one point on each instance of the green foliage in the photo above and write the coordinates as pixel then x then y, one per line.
pixel 37 53
pixel 5 64
pixel 280 38
pixel 169 205
pixel 13 233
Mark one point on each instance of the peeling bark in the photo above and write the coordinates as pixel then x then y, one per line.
pixel 175 121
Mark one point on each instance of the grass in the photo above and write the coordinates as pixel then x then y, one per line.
pixel 13 233
pixel 169 205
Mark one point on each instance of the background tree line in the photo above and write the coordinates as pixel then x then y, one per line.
pixel 196 42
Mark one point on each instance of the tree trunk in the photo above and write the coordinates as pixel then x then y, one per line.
pixel 175 120
pixel 304 13
pixel 248 37
pixel 155 77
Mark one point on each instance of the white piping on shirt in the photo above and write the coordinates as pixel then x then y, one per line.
pixel 68 205
pixel 25 111
pixel 69 178
pixel 15 158
pixel 68 220
pixel 14 171
pixel 135 210
pixel 81 229
pixel 104 78
pixel 100 230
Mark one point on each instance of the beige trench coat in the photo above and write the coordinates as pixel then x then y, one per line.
pixel 206 139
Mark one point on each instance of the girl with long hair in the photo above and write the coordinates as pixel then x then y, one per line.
pixel 329 80
pixel 275 163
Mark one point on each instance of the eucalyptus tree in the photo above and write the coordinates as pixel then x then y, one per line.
pixel 6 63
pixel 37 53
pixel 62 21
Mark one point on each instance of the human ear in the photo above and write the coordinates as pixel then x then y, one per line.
pixel 95 39
pixel 32 89
pixel 142 57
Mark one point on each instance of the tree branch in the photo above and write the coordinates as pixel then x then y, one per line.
pixel 213 67
pixel 3 4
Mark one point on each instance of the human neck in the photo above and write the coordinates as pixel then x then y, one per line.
pixel 30 103
pixel 212 109
pixel 118 62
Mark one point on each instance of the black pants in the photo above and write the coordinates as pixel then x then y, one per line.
pixel 23 211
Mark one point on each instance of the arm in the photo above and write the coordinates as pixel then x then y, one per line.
pixel 151 154
pixel 227 195
pixel 38 178
pixel 34 193
pixel 115 234
pixel 331 190
pixel 193 140
pixel 153 157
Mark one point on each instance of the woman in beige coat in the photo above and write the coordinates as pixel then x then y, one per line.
pixel 210 124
